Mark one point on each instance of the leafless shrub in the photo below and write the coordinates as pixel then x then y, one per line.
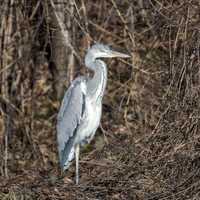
pixel 151 106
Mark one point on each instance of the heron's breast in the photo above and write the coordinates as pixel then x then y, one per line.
pixel 91 120
pixel 94 113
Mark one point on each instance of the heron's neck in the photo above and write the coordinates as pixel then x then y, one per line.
pixel 97 84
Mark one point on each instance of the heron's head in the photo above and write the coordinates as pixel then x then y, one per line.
pixel 104 51
pixel 101 51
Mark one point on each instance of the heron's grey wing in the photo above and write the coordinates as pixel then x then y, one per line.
pixel 69 118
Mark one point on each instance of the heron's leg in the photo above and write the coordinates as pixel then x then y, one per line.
pixel 77 151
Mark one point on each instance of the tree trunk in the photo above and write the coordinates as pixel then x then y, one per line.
pixel 62 57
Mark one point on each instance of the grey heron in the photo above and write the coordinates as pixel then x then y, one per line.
pixel 80 112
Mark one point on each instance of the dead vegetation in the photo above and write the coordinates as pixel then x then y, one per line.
pixel 149 144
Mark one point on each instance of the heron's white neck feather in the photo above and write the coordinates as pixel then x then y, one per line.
pixel 96 85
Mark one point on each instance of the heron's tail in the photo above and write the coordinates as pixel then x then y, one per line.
pixel 65 165
pixel 67 155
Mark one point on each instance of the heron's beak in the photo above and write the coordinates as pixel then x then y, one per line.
pixel 117 54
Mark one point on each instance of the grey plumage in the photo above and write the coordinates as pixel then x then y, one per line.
pixel 80 111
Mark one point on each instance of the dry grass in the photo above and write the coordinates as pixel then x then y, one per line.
pixel 150 146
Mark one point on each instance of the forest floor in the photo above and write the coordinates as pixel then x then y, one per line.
pixel 148 145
